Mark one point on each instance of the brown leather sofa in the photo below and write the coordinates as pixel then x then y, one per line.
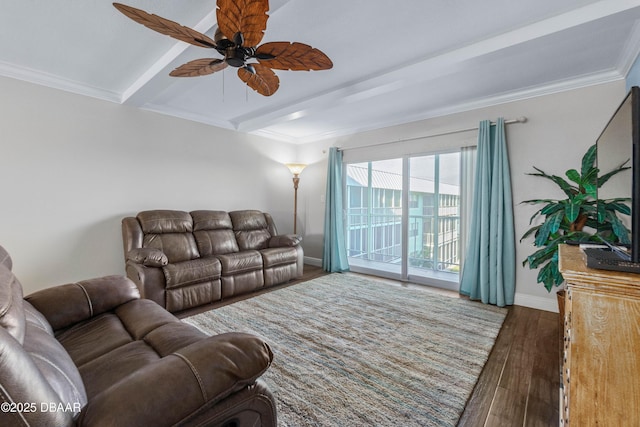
pixel 93 353
pixel 182 260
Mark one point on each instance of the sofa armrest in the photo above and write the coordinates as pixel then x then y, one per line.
pixel 66 305
pixel 182 384
pixel 149 257
pixel 285 240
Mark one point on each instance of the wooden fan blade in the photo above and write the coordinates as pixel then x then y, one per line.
pixel 199 67
pixel 264 80
pixel 248 17
pixel 166 27
pixel 293 56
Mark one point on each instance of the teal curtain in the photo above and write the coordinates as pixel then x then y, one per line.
pixel 335 251
pixel 490 266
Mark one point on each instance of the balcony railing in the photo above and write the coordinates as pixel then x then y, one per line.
pixel 433 241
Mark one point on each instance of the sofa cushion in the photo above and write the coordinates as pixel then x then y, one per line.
pixel 253 240
pixel 213 232
pixel 81 343
pixel 173 336
pixel 248 220
pixel 177 247
pixel 251 229
pixel 279 256
pixel 214 242
pixel 165 221
pixel 211 220
pixel 170 232
pixel 129 322
pixel 102 372
pixel 191 272
pixel 240 262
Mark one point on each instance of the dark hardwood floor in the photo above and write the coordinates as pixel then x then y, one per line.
pixel 519 385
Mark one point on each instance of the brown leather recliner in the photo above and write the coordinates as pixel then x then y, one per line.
pixel 182 260
pixel 93 353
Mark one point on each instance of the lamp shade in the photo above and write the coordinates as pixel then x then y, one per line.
pixel 296 168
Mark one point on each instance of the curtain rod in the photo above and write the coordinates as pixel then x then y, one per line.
pixel 521 119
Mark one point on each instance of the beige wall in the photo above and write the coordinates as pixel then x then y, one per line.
pixel 559 129
pixel 71 167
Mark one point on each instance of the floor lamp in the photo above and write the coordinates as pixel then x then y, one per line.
pixel 296 169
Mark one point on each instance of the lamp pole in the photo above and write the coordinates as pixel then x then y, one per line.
pixel 296 169
pixel 296 180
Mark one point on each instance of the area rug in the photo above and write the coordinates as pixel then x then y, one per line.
pixel 354 351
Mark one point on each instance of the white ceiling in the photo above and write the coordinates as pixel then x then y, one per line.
pixel 392 65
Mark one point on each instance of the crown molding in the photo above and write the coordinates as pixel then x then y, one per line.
pixel 55 82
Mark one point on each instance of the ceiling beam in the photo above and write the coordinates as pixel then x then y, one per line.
pixel 155 79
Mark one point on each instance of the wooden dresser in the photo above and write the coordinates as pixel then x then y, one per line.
pixel 601 359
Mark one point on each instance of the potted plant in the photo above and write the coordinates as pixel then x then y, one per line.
pixel 577 217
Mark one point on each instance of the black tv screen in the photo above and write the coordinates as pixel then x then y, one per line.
pixel 620 143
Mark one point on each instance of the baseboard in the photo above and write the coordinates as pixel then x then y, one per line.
pixel 540 303
pixel 316 262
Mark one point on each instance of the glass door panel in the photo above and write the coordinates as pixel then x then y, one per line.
pixel 374 215
pixel 434 216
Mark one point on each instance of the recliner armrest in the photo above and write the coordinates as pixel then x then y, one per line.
pixel 66 305
pixel 179 385
pixel 285 240
pixel 149 257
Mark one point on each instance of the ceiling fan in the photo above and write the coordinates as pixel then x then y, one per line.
pixel 241 25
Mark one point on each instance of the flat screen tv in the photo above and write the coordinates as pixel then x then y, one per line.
pixel 618 143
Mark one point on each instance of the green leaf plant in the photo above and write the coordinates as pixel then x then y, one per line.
pixel 578 217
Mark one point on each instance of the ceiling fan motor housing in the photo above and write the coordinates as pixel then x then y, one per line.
pixel 235 56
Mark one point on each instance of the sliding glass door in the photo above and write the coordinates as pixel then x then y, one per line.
pixel 403 218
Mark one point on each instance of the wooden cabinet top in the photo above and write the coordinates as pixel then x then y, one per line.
pixel 573 267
